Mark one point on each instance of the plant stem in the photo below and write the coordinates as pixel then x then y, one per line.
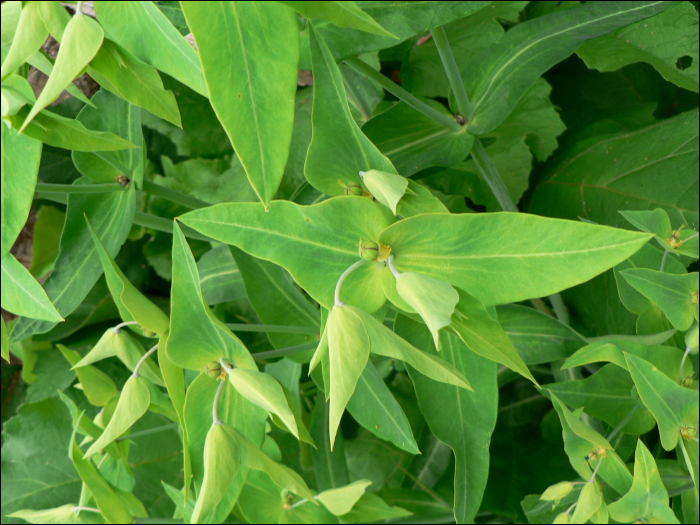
pixel 403 95
pixel 680 490
pixel 595 471
pixel 622 423
pixel 272 328
pixel 491 176
pixel 281 352
pixel 559 308
pixel 663 261
pixel 141 361
pixel 78 508
pixel 215 409
pixel 119 327
pixel 174 196
pixel 78 188
pixel 450 65
pixel 685 356
pixel 156 430
pixel 347 272
pixel 79 11
pixel 393 269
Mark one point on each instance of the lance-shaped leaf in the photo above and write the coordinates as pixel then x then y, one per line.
pixel 690 459
pixel 211 340
pixel 485 336
pixel 647 500
pixel 254 458
pixel 266 392
pixel 334 129
pixel 341 14
pixel 507 257
pixel 348 352
pixel 29 36
pixel 502 75
pixel 251 74
pixel 558 491
pixel 63 514
pixel 127 349
pixel 132 304
pixel 386 188
pixel 143 29
pixel 341 500
pixel 304 434
pixel 81 42
pixel 652 221
pixel 433 299
pixel 672 405
pixel 112 507
pixel 20 166
pixel 14 95
pixel 97 386
pixel 60 132
pixel 222 458
pixel 133 404
pixel 676 295
pixel 583 443
pixel 23 295
pixel 589 501
pixel 316 244
pixel 5 342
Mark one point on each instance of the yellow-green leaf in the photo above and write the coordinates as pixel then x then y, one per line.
pixel 28 38
pixel 386 188
pixel 97 386
pixel 341 500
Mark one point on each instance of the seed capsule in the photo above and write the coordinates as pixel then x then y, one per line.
pixel 369 250
pixel 213 369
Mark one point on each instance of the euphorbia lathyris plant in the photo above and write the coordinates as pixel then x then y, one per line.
pixel 324 303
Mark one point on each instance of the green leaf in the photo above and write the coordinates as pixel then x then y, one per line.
pixel 23 295
pixel 60 132
pixel 184 504
pixel 220 278
pixel 81 41
pixel 132 304
pixel 461 419
pixel 399 18
pixel 63 514
pixel 532 256
pixel 47 236
pixel 501 76
pixel 341 14
pixel 253 458
pixel 20 166
pixel 672 405
pixel 222 458
pixel 45 64
pixel 5 342
pixel 647 499
pixel 433 299
pixel 371 508
pixel 349 347
pixel 653 221
pixel 666 147
pixel 142 29
pixel 589 501
pixel 675 295
pixel 15 94
pixel 558 491
pixel 386 188
pixel 211 340
pixel 133 404
pixel 29 36
pixel 251 75
pixel 341 500
pixel 121 118
pixel 110 504
pixel 334 129
pixel 413 141
pixel 316 244
pixel 97 386
pixel 330 465
pixel 660 41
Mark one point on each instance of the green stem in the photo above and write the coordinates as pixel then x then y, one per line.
pixel 156 430
pixel 79 8
pixel 450 65
pixel 681 489
pixel 685 357
pixel 174 196
pixel 559 308
pixel 142 360
pixel 217 397
pixel 281 352
pixel 622 423
pixel 272 328
pixel 663 261
pixel 78 188
pixel 491 176
pixel 339 286
pixel 403 95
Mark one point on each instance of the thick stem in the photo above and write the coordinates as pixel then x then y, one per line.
pixel 663 261
pixel 117 329
pixel 281 352
pixel 79 11
pixel 622 423
pixel 491 176
pixel 688 350
pixel 173 196
pixel 393 269
pixel 450 65
pixel 215 410
pixel 78 188
pixel 142 360
pixel 272 328
pixel 78 508
pixel 339 286
pixel 403 95
pixel 227 369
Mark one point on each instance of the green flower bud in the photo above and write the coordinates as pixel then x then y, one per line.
pixel 213 369
pixel 688 381
pixel 369 250
pixel 354 189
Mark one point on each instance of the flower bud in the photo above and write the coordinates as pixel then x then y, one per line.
pixel 213 369
pixel 369 250
pixel 354 189
pixel 688 381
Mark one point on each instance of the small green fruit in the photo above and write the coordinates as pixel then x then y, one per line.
pixel 369 250
pixel 354 189
pixel 213 369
